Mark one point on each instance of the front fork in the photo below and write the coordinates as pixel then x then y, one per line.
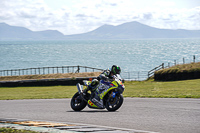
pixel 81 92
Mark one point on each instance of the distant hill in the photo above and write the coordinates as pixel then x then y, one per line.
pixel 130 30
pixel 21 33
pixel 135 30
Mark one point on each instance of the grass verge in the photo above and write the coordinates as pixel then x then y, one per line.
pixel 172 89
pixel 11 130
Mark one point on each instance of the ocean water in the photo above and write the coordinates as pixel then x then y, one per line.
pixel 130 55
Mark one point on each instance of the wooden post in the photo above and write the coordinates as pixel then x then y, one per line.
pixel 78 69
pixel 194 58
pixel 183 60
pixel 162 65
pixel 62 69
pixel 57 70
pixel 43 70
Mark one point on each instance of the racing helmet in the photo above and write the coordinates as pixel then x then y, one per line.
pixel 115 69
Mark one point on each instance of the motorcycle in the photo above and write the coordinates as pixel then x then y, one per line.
pixel 108 94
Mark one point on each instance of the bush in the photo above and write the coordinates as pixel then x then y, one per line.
pixel 179 72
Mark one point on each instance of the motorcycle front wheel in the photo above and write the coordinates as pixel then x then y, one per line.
pixel 113 104
pixel 77 103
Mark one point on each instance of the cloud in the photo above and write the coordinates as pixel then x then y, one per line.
pixel 86 15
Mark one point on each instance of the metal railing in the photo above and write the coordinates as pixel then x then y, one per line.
pixel 135 75
pixel 162 66
pixel 151 72
pixel 48 70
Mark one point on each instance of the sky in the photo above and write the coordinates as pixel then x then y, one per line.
pixel 80 16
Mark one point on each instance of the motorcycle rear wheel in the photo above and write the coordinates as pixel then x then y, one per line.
pixel 113 104
pixel 77 104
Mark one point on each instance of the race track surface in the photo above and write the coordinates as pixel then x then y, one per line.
pixel 163 115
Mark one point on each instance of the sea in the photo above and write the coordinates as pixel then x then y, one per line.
pixel 130 55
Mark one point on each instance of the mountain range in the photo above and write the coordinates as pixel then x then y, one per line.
pixel 130 30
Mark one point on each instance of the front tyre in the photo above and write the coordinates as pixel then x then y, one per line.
pixel 77 103
pixel 113 104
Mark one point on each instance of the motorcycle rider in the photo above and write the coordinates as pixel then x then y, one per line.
pixel 106 75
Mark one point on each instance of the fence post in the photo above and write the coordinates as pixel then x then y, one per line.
pixel 78 69
pixel 194 58
pixel 162 65
pixel 57 70
pixel 62 69
pixel 183 60
pixel 43 70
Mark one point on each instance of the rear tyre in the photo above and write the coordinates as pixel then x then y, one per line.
pixel 113 104
pixel 77 103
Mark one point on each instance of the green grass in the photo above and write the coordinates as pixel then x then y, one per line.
pixel 50 92
pixel 173 89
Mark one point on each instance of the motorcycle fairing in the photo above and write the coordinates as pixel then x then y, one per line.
pixel 105 92
pixel 86 83
pixel 114 85
pixel 91 104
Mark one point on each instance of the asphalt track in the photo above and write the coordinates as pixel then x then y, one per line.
pixel 163 115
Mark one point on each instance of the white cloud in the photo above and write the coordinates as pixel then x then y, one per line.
pixel 87 15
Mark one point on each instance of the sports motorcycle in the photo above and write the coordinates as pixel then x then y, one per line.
pixel 108 94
